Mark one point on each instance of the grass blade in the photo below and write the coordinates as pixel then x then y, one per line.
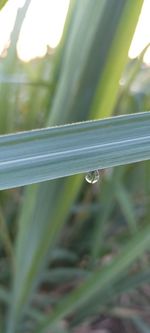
pixel 102 279
pixel 102 104
pixel 52 153
pixel 126 206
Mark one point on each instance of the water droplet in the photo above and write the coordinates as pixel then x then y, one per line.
pixel 92 177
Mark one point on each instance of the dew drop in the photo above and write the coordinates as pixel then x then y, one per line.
pixel 92 177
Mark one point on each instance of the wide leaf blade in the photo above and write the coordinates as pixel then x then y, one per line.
pixel 39 155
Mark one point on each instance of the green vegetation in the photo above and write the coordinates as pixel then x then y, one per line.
pixel 72 253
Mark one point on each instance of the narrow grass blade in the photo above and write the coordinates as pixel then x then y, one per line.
pixel 12 58
pixel 126 206
pixel 100 280
pixel 101 223
pixel 117 56
pixel 125 284
pixel 5 237
pixel 130 283
pixel 8 107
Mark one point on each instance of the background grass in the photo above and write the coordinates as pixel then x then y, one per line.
pixel 72 253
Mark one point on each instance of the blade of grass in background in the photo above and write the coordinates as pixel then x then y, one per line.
pixel 21 13
pixel 102 219
pixel 84 61
pixel 9 65
pixel 78 148
pixel 5 237
pixel 126 206
pixel 100 280
pixel 98 303
pixel 102 105
pixel 129 79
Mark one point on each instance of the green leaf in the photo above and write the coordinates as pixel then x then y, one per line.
pixel 39 155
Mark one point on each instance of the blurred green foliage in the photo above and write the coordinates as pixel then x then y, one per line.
pixel 100 218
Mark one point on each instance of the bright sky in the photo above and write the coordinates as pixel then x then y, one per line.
pixel 142 34
pixel 43 26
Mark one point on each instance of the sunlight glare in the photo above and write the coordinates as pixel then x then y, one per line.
pixel 141 37
pixel 7 19
pixel 42 26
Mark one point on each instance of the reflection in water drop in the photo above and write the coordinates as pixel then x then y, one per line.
pixel 92 177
